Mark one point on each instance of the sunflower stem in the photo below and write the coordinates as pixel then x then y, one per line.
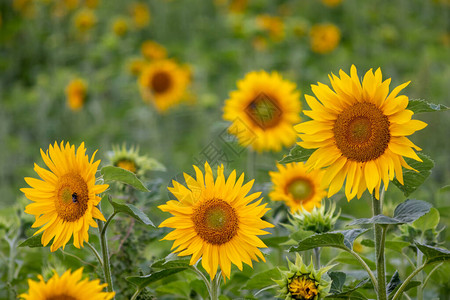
pixel 202 277
pixel 407 280
pixel 380 234
pixel 105 255
pixel 316 252
pixel 138 291
pixel 97 255
pixel 215 287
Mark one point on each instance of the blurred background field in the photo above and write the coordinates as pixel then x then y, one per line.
pixel 46 44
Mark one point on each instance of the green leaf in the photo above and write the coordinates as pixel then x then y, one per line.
pixel 405 212
pixel 427 221
pixel 171 261
pixel 421 106
pixel 338 239
pixel 142 281
pixel 297 154
pixel 412 179
pixel 275 242
pixel 178 287
pixel 350 292
pixel 392 245
pixel 263 279
pixel 111 173
pixel 434 254
pixel 409 286
pixel 338 280
pixel 393 283
pixel 33 241
pixel 132 211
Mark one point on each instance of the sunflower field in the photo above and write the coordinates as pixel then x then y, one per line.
pixel 224 149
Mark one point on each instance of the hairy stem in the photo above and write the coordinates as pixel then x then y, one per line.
pixel 105 255
pixel 380 234
pixel 366 267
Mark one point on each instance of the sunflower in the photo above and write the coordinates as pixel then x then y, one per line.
pixel 64 202
pixel 120 26
pixel 324 38
pixel 152 50
pixel 214 221
pixel 164 83
pixel 273 25
pixel 140 14
pixel 68 286
pixel 360 131
pixel 76 94
pixel 299 189
pixel 84 20
pixel 263 111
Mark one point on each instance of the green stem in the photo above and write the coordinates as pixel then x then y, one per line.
pixel 380 234
pixel 11 263
pixel 138 291
pixel 420 275
pixel 407 280
pixel 429 275
pixel 105 255
pixel 366 267
pixel 316 252
pixel 103 232
pixel 95 253
pixel 215 287
pixel 202 277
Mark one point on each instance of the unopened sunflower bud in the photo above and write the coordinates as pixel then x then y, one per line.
pixel 319 220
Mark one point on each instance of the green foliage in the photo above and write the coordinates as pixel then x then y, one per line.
pixel 405 212
pixel 111 173
pixel 338 239
pixel 130 210
pixel 33 241
pixel 412 179
pixel 297 154
pixel 421 106
pixel 428 221
pixel 142 281
pixel 434 254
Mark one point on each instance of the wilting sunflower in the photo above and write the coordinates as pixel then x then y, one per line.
pixel 299 189
pixel 69 286
pixel 163 83
pixel 214 221
pixel 360 131
pixel 76 94
pixel 324 38
pixel 64 201
pixel 263 111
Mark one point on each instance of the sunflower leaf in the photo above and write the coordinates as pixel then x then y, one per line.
pixel 132 211
pixel 421 106
pixel 410 285
pixel 345 294
pixel 405 212
pixel 412 179
pixel 297 154
pixel 142 281
pixel 338 239
pixel 434 254
pixel 263 279
pixel 338 280
pixel 111 173
pixel 393 283
pixel 33 241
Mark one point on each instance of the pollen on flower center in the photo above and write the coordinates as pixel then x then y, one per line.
pixel 161 82
pixel 215 221
pixel 303 288
pixel 72 197
pixel 300 188
pixel 264 111
pixel 61 297
pixel 362 132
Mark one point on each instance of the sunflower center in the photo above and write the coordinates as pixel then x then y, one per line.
pixel 215 221
pixel 72 197
pixel 161 82
pixel 61 297
pixel 303 288
pixel 127 165
pixel 301 189
pixel 362 132
pixel 264 111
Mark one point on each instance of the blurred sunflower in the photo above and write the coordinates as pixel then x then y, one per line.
pixel 120 26
pixel 129 159
pixel 92 4
pixel 164 83
pixel 64 202
pixel 140 14
pixel 214 221
pixel 84 20
pixel 71 4
pixel 136 65
pixel 299 189
pixel 152 50
pixel 76 94
pixel 324 38
pixel 69 286
pixel 331 3
pixel 263 111
pixel 360 131
pixel 273 25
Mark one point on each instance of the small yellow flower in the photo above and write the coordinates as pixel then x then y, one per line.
pixel 92 4
pixel 76 94
pixel 324 38
pixel 298 188
pixel 84 20
pixel 273 25
pixel 331 3
pixel 152 50
pixel 141 14
pixel 120 26
pixel 69 286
